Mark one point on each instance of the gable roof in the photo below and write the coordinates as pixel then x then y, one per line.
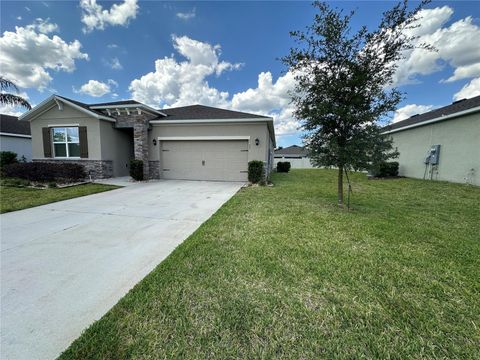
pixel 292 150
pixel 455 109
pixel 202 112
pixel 11 125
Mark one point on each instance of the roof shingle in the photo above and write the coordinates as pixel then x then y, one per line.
pixel 457 106
pixel 201 112
pixel 11 124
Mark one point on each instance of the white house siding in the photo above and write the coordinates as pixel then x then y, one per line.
pixel 303 163
pixel 459 140
pixel 22 146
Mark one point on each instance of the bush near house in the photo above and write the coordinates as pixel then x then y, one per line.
pixel 283 166
pixel 45 172
pixel 136 169
pixel 7 158
pixel 385 169
pixel 255 171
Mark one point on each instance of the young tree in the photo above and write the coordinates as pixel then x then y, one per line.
pixel 344 85
pixel 11 99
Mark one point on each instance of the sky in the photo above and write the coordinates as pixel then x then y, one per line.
pixel 224 54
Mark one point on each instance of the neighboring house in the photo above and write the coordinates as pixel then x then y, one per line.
pixel 443 144
pixel 192 142
pixel 296 155
pixel 15 136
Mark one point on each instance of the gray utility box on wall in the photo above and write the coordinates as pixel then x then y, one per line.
pixel 435 154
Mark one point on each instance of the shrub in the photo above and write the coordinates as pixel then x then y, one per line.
pixel 136 169
pixel 283 166
pixel 45 171
pixel 385 169
pixel 7 158
pixel 255 171
pixel 14 182
pixel 52 184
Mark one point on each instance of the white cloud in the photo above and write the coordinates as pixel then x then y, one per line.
pixel 95 17
pixel 43 26
pixel 468 91
pixel 114 63
pixel 112 46
pixel 184 83
pixel 27 8
pixel 27 54
pixel 187 15
pixel 457 47
pixel 96 88
pixel 19 18
pixel 410 110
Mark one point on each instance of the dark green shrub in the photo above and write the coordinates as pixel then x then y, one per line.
pixel 52 184
pixel 136 169
pixel 7 158
pixel 283 166
pixel 255 171
pixel 45 171
pixel 385 169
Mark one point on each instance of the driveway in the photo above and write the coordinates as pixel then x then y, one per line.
pixel 64 265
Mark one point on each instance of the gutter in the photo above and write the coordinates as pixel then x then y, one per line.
pixel 15 135
pixel 438 119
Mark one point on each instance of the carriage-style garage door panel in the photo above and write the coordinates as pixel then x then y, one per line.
pixel 205 160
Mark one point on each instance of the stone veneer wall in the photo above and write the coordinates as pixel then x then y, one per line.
pixel 154 169
pixel 140 124
pixel 97 169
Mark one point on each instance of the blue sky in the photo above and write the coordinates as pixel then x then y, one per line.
pixel 216 53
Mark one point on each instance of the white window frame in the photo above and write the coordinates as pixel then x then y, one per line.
pixel 66 142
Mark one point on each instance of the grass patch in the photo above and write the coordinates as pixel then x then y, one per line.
pixel 281 272
pixel 16 198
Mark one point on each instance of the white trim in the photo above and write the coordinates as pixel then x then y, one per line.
pixel 213 121
pixel 15 135
pixel 126 106
pixel 63 125
pixel 193 138
pixel 441 118
pixel 30 115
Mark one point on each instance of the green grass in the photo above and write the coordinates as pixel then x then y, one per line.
pixel 281 272
pixel 15 198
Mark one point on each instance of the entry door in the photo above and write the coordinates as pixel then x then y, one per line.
pixel 205 160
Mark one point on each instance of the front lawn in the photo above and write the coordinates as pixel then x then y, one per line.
pixel 281 272
pixel 15 198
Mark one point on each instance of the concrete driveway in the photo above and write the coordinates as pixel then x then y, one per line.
pixel 66 264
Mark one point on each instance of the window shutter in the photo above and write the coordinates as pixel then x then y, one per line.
pixel 82 133
pixel 47 142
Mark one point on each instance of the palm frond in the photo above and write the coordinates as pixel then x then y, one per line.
pixel 14 100
pixel 6 84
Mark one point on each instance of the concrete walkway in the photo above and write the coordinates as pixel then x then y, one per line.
pixel 64 265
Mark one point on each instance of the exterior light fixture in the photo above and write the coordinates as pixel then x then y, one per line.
pixel 257 141
pixel 154 142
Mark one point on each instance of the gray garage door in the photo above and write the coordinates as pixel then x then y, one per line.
pixel 205 160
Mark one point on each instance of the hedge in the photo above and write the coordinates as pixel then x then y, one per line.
pixel 385 169
pixel 136 170
pixel 255 171
pixel 7 158
pixel 283 166
pixel 45 171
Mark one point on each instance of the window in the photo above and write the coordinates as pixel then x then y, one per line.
pixel 66 142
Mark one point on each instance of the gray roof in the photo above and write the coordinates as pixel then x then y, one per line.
pixel 11 124
pixel 455 107
pixel 292 150
pixel 194 112
pixel 113 103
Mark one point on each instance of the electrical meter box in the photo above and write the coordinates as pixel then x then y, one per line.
pixel 434 154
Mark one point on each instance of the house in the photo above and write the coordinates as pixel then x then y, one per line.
pixel 296 155
pixel 191 142
pixel 442 144
pixel 15 136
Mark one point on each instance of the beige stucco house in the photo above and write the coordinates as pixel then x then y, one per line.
pixel 192 142
pixel 443 144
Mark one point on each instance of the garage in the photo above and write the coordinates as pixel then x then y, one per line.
pixel 222 160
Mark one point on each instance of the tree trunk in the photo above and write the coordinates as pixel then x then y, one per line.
pixel 340 186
